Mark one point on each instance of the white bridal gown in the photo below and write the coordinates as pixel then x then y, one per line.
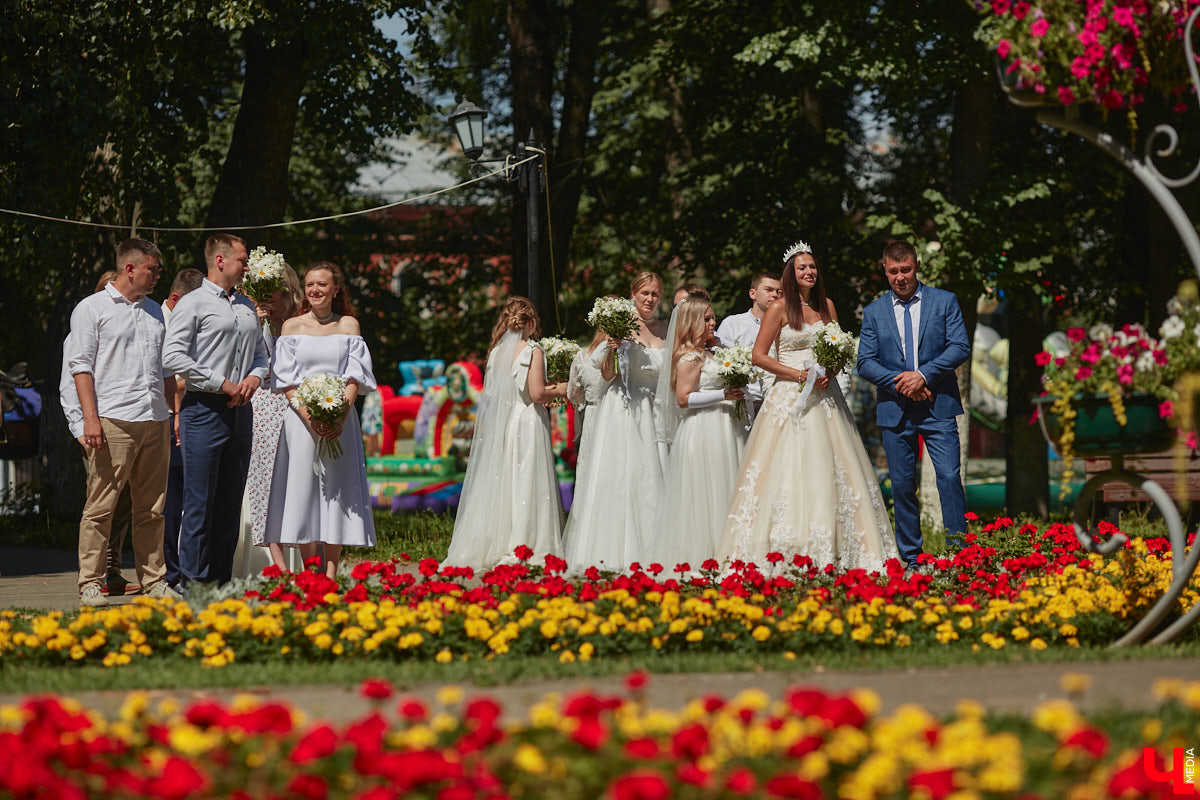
pixel 616 503
pixel 585 389
pixel 510 492
pixel 326 499
pixel 706 453
pixel 807 485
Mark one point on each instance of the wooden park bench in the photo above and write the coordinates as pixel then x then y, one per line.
pixel 1176 470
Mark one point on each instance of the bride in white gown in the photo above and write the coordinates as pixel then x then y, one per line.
pixel 807 485
pixel 510 492
pixel 698 420
pixel 617 498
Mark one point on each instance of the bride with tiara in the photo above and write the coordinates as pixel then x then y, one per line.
pixel 807 485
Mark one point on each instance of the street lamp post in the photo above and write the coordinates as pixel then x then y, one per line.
pixel 467 121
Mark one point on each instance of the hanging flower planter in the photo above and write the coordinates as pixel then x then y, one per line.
pixel 1096 430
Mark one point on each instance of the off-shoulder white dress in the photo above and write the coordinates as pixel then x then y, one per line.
pixel 320 499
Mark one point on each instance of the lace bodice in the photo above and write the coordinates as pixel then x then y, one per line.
pixel 709 378
pixel 796 345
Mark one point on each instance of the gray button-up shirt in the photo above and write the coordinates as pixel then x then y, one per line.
pixel 214 337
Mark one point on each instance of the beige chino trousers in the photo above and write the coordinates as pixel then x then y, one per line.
pixel 136 454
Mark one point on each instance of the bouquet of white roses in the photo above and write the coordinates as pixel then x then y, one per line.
pixel 324 396
pixel 559 354
pixel 265 276
pixel 735 367
pixel 616 316
pixel 834 349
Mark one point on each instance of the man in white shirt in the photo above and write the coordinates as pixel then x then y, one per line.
pixel 215 344
pixel 115 359
pixel 743 328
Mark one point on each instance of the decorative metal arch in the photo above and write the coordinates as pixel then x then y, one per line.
pixel 1159 185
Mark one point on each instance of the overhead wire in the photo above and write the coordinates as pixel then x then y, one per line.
pixel 508 167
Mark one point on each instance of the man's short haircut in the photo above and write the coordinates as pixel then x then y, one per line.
pixel 693 290
pixel 130 246
pixel 760 277
pixel 898 250
pixel 186 280
pixel 220 243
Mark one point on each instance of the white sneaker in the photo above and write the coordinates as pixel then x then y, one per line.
pixel 92 596
pixel 163 589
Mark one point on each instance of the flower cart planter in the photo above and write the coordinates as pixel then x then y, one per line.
pixel 1097 433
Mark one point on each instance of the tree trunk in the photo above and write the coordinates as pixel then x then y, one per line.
pixel 531 68
pixel 253 186
pixel 970 145
pixel 1027 487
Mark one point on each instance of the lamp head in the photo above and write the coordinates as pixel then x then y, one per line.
pixel 467 120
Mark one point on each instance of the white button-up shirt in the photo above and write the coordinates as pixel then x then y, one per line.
pixel 214 337
pixel 120 344
pixel 915 312
pixel 743 329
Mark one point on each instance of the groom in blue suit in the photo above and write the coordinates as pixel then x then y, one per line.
pixel 912 340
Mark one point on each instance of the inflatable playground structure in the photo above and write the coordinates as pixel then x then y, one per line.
pixel 425 434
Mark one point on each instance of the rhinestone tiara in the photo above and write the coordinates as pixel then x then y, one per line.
pixel 795 250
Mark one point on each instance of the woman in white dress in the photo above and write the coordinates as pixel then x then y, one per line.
pixel 252 553
pixel 585 388
pixel 510 492
pixel 614 509
pixel 807 486
pixel 320 503
pixel 699 416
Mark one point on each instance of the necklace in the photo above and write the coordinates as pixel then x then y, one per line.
pixel 321 320
pixel 805 304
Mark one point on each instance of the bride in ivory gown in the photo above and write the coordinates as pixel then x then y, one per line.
pixel 807 485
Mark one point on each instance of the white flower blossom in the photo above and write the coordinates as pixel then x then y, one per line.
pixel 1172 327
pixel 1175 305
pixel 1145 362
pixel 1100 332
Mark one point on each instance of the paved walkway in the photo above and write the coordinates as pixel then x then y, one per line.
pixel 46 580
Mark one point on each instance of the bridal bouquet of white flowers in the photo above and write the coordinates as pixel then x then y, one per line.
pixel 735 367
pixel 559 354
pixel 616 316
pixel 324 396
pixel 265 276
pixel 834 349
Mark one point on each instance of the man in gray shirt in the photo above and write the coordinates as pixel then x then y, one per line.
pixel 215 344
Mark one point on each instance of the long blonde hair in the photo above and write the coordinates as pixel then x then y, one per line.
pixel 517 313
pixel 689 330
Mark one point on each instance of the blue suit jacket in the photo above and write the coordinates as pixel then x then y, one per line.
pixel 942 346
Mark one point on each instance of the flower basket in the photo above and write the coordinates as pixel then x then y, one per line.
pixel 1097 432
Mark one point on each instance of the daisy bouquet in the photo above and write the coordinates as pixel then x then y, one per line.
pixel 265 276
pixel 834 349
pixel 324 396
pixel 559 354
pixel 735 366
pixel 616 316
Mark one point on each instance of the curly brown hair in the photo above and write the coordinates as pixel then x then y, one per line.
pixel 514 316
